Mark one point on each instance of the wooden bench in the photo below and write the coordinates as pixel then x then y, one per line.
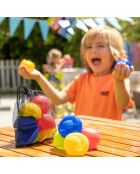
pixel 118 138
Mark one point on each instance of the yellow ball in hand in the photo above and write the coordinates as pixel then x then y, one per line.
pixel 76 144
pixel 28 64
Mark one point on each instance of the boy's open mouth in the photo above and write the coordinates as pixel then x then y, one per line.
pixel 96 61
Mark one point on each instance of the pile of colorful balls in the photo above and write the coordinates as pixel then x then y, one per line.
pixel 34 121
pixel 73 138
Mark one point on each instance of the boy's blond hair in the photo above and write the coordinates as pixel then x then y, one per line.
pixel 53 53
pixel 110 35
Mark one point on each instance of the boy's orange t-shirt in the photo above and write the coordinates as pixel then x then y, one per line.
pixel 94 96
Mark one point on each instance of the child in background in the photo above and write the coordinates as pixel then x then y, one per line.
pixel 53 69
pixel 102 91
pixel 68 61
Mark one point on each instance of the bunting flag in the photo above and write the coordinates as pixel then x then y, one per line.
pixel 128 19
pixel 64 23
pixel 81 25
pixel 44 29
pixel 53 22
pixel 2 19
pixel 68 24
pixel 13 25
pixel 70 30
pixel 113 21
pixel 63 32
pixel 100 21
pixel 28 26
pixel 89 23
pixel 50 21
pixel 72 21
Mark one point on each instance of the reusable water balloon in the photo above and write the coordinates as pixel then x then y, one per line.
pixel 43 102
pixel 46 122
pixel 69 124
pixel 126 61
pixel 47 127
pixel 93 137
pixel 31 109
pixel 76 144
pixel 58 141
pixel 28 64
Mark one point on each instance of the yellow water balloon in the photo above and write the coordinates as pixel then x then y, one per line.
pixel 31 109
pixel 76 144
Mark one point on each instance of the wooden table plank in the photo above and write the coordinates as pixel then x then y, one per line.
pixel 37 149
pixel 111 122
pixel 120 140
pixel 115 129
pixel 121 135
pixel 24 150
pixel 7 132
pixel 108 126
pixel 117 151
pixel 94 153
pixel 115 132
pixel 98 153
pixel 120 146
pixel 111 125
pixel 9 153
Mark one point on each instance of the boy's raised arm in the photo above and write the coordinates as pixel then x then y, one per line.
pixel 57 97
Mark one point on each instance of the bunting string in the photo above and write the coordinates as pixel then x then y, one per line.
pixel 53 23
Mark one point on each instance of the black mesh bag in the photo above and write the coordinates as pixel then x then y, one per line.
pixel 32 117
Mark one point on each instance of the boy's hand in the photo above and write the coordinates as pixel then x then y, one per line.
pixel 122 71
pixel 34 75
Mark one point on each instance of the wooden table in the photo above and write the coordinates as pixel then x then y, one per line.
pixel 118 138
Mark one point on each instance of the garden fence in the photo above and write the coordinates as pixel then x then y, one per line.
pixel 9 77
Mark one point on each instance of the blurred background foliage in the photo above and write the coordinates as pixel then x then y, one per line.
pixel 35 48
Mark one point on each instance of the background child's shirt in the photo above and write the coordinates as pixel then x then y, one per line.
pixel 94 96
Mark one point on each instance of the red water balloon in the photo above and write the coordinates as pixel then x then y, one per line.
pixel 43 102
pixel 46 122
pixel 93 137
